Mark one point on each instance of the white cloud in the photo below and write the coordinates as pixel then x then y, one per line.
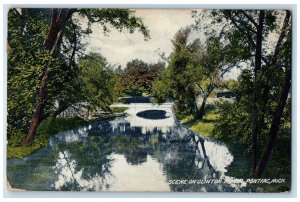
pixel 119 48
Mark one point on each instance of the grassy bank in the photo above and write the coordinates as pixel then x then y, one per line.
pixel 202 127
pixel 48 127
pixel 118 109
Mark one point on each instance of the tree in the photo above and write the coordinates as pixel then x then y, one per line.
pixel 97 80
pixel 284 92
pixel 162 87
pixel 178 81
pixel 25 60
pixel 257 27
pixel 258 114
pixel 137 77
pixel 218 59
pixel 196 70
pixel 55 36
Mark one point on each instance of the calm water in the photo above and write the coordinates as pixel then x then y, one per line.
pixel 129 153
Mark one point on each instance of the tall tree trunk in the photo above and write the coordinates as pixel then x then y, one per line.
pixel 274 129
pixel 282 101
pixel 52 44
pixel 39 109
pixel 271 64
pixel 37 116
pixel 255 112
pixel 201 111
pixel 192 99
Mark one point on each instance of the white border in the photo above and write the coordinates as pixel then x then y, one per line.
pixel 254 4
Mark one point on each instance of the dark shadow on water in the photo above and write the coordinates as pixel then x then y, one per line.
pixel 153 114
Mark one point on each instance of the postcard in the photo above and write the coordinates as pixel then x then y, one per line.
pixel 149 100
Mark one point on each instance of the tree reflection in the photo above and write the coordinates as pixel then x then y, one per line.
pixel 135 149
pixel 83 158
pixel 186 160
pixel 84 165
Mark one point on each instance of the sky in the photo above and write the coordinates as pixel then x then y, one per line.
pixel 122 47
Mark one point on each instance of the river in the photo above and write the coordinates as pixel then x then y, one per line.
pixel 147 150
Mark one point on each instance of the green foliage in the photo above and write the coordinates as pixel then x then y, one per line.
pixel 48 127
pixel 138 76
pixel 194 70
pixel 236 118
pixel 52 126
pixel 230 84
pixel 97 81
pixel 233 125
pixel 177 82
pixel 162 87
pixel 259 90
pixel 16 139
pixel 25 64
pixel 66 84
pixel 119 19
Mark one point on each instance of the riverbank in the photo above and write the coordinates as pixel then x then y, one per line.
pixel 240 167
pixel 202 127
pixel 49 127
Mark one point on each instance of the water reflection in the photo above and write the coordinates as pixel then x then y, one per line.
pixel 82 165
pixel 125 154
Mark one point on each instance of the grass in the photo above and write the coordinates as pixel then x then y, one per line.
pixel 22 151
pixel 48 127
pixel 202 127
pixel 205 126
pixel 118 109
